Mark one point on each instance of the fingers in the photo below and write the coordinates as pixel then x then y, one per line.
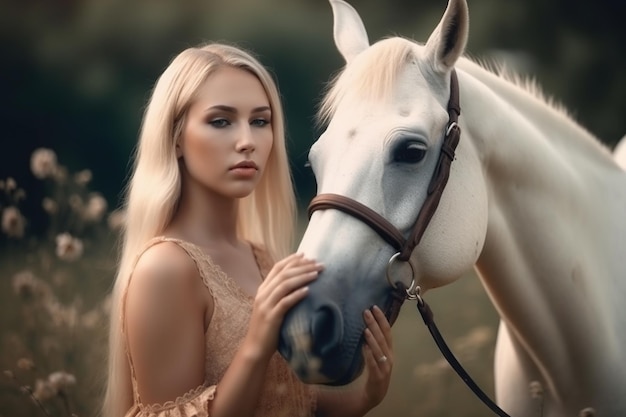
pixel 285 285
pixel 288 275
pixel 378 337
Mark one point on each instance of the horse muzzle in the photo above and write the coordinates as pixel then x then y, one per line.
pixel 321 343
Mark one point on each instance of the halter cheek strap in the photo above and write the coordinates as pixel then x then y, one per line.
pixel 435 189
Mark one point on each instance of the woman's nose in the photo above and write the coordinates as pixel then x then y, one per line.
pixel 245 140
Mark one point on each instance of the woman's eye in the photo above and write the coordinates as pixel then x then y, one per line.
pixel 260 122
pixel 409 152
pixel 219 123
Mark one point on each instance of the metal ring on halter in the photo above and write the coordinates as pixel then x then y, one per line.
pixel 411 290
pixel 450 127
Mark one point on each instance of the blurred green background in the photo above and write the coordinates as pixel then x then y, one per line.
pixel 76 74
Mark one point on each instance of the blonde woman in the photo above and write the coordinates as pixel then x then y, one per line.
pixel 198 300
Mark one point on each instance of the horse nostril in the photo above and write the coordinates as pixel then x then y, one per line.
pixel 326 329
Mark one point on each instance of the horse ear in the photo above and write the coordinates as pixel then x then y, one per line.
pixel 349 32
pixel 447 42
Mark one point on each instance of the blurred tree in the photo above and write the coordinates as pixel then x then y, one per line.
pixel 76 73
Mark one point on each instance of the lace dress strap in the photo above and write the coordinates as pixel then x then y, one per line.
pixel 196 255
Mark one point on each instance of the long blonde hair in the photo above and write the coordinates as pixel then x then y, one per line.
pixel 265 217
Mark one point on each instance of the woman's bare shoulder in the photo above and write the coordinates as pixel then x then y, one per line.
pixel 164 271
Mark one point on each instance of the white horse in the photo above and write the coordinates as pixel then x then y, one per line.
pixel 534 203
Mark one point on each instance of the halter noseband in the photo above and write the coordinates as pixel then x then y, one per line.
pixel 435 189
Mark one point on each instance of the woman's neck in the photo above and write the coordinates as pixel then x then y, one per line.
pixel 205 218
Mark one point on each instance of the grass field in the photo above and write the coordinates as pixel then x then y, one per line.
pixel 54 309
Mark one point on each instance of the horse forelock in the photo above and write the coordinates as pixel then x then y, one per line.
pixel 369 77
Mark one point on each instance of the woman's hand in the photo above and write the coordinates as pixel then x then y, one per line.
pixel 284 286
pixel 378 355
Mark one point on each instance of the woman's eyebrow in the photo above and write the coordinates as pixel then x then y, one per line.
pixel 231 109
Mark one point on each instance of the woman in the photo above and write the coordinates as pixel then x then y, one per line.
pixel 198 300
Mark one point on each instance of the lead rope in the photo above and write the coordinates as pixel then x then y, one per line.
pixel 429 320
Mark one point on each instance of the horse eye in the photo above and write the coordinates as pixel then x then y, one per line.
pixel 409 152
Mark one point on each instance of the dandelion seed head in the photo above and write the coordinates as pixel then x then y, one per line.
pixel 60 174
pixel 10 184
pixel 90 319
pixel 469 346
pixel 8 374
pixel 61 315
pixel 536 390
pixel 19 195
pixel 44 390
pixel 116 219
pixel 49 205
pixel 13 223
pixel 25 284
pixel 60 380
pixel 431 370
pixel 587 412
pixel 43 163
pixel 68 248
pixel 95 209
pixel 83 177
pixel 25 364
pixel 76 203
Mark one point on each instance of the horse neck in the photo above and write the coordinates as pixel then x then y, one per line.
pixel 545 240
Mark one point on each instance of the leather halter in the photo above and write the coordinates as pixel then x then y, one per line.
pixel 405 247
pixel 435 188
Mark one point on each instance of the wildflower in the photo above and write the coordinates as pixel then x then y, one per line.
pixel 49 205
pixel 60 380
pixel 10 184
pixel 60 174
pixel 90 319
pixel 469 346
pixel 25 364
pixel 95 209
pixel 44 390
pixel 25 284
pixel 20 194
pixel 13 223
pixel 587 412
pixel 83 177
pixel 428 371
pixel 536 390
pixel 43 163
pixel 116 219
pixel 61 315
pixel 68 248
pixel 76 203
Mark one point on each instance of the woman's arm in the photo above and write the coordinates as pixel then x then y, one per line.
pixel 359 399
pixel 164 319
pixel 165 316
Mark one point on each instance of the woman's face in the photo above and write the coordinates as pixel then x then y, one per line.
pixel 228 136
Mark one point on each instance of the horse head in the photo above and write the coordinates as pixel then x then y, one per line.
pixel 387 117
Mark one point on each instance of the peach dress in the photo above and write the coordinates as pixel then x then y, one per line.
pixel 283 395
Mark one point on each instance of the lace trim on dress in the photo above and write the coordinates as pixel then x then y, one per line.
pixel 207 394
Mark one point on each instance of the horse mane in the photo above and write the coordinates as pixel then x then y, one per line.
pixel 370 76
pixel 374 72
pixel 529 84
